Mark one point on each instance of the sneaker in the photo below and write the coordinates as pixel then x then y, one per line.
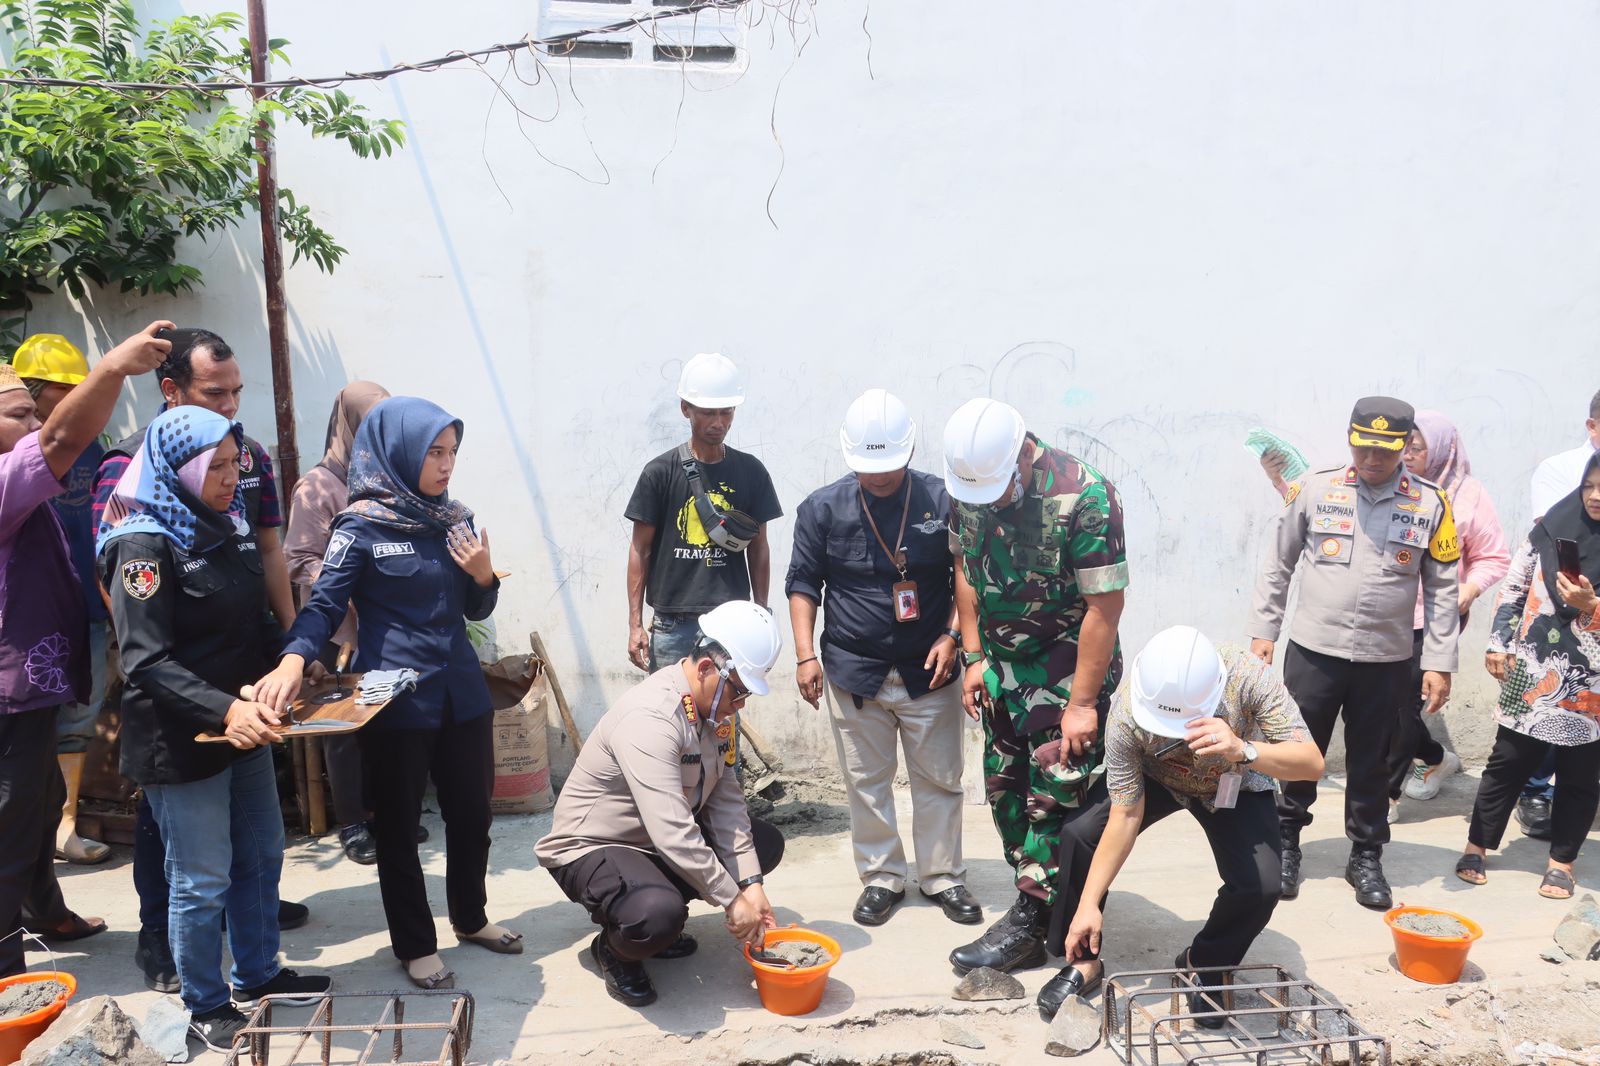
pixel 154 957
pixel 297 991
pixel 1394 811
pixel 1533 814
pixel 1425 781
pixel 218 1029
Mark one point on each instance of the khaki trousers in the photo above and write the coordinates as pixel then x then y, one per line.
pixel 929 729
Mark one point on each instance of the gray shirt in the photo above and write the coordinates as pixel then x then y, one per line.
pixel 1364 550
pixel 656 776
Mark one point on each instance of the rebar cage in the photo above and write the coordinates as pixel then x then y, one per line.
pixel 451 1034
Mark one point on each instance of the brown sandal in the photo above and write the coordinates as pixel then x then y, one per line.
pixel 1471 864
pixel 507 943
pixel 1557 879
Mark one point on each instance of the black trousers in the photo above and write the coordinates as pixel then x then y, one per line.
pixel 1368 695
pixel 1514 757
pixel 639 901
pixel 1411 737
pixel 31 795
pixel 1245 844
pixel 396 764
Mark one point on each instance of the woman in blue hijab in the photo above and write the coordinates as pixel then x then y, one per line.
pixel 189 605
pixel 410 559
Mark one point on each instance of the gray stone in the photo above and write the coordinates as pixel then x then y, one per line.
pixel 985 984
pixel 953 1032
pixel 1555 955
pixel 94 1032
pixel 166 1029
pixel 1076 1028
pixel 1579 932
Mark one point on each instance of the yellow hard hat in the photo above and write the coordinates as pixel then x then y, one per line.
pixel 50 357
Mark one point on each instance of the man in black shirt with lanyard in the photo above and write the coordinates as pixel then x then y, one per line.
pixel 889 649
pixel 699 514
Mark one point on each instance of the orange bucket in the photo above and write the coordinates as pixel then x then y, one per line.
pixel 793 992
pixel 1434 960
pixel 18 1033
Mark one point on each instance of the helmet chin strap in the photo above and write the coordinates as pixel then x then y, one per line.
pixel 716 697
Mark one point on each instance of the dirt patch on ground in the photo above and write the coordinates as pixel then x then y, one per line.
pixel 813 805
pixel 29 997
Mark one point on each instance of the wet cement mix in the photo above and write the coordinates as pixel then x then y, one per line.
pixel 29 997
pixel 801 953
pixel 1437 925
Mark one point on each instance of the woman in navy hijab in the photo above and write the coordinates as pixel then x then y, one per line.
pixel 409 558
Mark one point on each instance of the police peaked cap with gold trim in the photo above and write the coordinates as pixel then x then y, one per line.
pixel 1381 422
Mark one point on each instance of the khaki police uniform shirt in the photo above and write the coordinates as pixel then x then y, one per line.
pixel 1364 550
pixel 656 776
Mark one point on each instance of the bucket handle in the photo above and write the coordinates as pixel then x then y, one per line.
pixel 28 934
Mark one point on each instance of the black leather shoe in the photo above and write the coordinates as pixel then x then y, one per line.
pixel 422 833
pixel 1015 942
pixel 1205 1006
pixel 958 905
pixel 1365 874
pixel 1066 984
pixel 875 905
pixel 1533 814
pixel 359 847
pixel 292 915
pixel 154 957
pixel 680 948
pixel 626 982
pixel 1291 869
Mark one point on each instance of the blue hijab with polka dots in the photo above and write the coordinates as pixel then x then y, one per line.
pixel 152 496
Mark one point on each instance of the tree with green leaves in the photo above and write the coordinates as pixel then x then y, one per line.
pixel 97 184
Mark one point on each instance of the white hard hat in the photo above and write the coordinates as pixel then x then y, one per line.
pixel 711 380
pixel 1177 677
pixel 981 444
pixel 749 635
pixel 878 434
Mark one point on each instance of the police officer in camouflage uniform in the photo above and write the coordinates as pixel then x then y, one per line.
pixel 1362 536
pixel 1039 594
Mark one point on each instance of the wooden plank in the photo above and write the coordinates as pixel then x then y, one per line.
pixel 325 708
pixel 567 721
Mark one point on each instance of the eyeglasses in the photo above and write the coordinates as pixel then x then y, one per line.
pixel 740 693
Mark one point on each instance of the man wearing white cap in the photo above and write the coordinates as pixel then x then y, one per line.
pixel 652 815
pixel 699 514
pixel 873 549
pixel 1039 592
pixel 1205 729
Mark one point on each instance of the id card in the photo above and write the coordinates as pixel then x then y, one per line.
pixel 1228 790
pixel 906 607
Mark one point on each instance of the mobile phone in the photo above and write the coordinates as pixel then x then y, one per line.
pixel 1567 558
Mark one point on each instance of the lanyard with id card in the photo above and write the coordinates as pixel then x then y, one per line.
pixel 907 608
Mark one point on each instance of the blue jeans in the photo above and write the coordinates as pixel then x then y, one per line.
pixel 672 637
pixel 1539 786
pixel 224 838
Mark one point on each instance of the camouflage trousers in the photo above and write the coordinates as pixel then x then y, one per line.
pixel 1030 796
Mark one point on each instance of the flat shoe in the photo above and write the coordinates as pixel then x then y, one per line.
pixel 1557 879
pixel 444 978
pixel 76 927
pixel 1471 864
pixel 507 943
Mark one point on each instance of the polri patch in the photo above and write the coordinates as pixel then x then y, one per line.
pixel 1403 557
pixel 388 548
pixel 141 578
pixel 338 544
pixel 247 460
pixel 1330 547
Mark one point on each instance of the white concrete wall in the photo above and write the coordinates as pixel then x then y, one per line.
pixel 1151 226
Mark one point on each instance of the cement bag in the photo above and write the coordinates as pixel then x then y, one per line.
pixel 520 694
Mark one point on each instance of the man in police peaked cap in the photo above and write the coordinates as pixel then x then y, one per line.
pixel 1363 536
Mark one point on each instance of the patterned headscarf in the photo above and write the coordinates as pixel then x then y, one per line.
pixel 1447 456
pixel 159 492
pixel 390 448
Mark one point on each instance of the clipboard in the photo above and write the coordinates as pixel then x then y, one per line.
pixel 325 708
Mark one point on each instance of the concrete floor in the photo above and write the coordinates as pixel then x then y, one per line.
pixel 549 1005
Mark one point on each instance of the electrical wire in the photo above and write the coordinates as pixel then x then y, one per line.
pixel 528 44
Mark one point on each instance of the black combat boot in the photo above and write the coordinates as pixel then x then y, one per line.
pixel 1015 942
pixel 1365 874
pixel 1291 864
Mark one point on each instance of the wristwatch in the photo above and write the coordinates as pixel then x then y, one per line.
pixel 1250 753
pixel 970 657
pixel 755 879
pixel 955 635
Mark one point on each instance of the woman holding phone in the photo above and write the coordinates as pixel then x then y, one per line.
pixel 1544 650
pixel 408 557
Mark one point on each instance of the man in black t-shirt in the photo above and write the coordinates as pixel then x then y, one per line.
pixel 677 563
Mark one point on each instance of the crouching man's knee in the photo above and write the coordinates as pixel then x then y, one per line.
pixel 646 921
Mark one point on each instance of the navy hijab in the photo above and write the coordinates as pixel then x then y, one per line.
pixel 1568 520
pixel 386 465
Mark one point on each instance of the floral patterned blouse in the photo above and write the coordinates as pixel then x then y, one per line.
pixel 1552 686
pixel 1256 706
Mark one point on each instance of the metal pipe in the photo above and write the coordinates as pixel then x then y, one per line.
pixel 272 268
